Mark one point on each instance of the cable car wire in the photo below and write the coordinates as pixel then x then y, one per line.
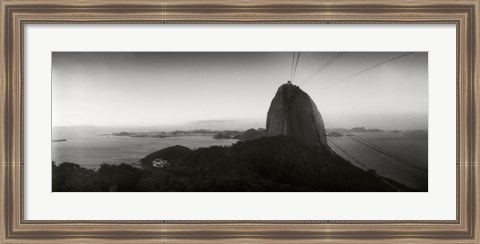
pixel 365 70
pixel 371 171
pixel 296 66
pixel 291 69
pixel 331 61
pixel 380 150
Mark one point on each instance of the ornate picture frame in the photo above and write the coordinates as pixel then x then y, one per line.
pixel 14 15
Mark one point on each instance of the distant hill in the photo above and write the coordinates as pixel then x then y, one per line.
pixel 170 153
pixel 334 134
pixel 362 129
pixel 221 135
pixel 251 134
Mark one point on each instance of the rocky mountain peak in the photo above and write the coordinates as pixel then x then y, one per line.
pixel 293 113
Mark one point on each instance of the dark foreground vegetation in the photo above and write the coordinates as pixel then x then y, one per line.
pixel 268 164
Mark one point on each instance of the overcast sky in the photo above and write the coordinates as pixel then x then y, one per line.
pixel 234 90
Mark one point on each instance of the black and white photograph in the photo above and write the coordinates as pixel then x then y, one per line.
pixel 239 121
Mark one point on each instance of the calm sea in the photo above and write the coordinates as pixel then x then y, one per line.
pixel 90 148
pixel 408 160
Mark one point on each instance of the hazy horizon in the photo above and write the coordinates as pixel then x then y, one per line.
pixel 232 126
pixel 224 90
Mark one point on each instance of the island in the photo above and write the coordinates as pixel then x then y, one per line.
pixel 59 140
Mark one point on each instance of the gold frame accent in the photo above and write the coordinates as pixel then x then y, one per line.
pixel 14 14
